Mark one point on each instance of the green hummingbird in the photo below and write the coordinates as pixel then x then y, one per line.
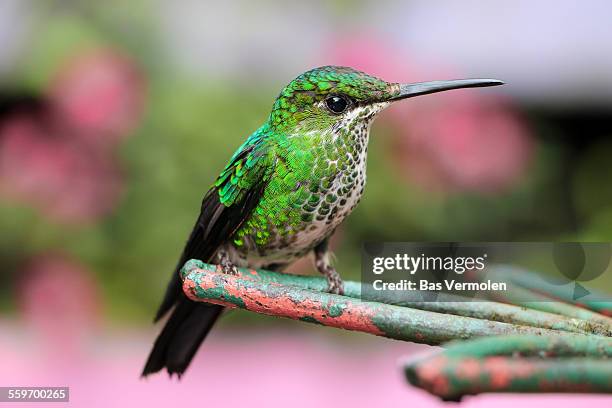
pixel 284 192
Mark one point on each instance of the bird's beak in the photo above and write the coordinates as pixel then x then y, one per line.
pixel 424 88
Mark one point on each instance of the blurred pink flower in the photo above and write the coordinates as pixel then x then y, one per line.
pixel 100 94
pixel 466 140
pixel 65 179
pixel 59 300
pixel 61 158
pixel 368 53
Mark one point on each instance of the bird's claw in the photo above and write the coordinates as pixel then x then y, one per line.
pixel 227 266
pixel 334 284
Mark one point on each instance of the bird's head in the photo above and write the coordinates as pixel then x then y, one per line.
pixel 330 98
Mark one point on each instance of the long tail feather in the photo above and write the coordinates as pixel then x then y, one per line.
pixel 181 337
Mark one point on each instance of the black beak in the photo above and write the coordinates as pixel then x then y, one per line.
pixel 424 88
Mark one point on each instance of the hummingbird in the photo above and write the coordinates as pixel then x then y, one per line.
pixel 284 192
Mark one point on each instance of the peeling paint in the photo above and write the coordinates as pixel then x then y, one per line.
pixel 469 369
pixel 430 376
pixel 480 365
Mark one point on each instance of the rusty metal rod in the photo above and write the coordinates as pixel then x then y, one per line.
pixel 448 304
pixel 482 365
pixel 508 313
pixel 516 295
pixel 283 299
pixel 451 379
pixel 533 281
pixel 584 346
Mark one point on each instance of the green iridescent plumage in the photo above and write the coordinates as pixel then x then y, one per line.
pixel 296 101
pixel 295 154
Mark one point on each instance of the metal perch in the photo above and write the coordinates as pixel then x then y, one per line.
pixel 523 331
pixel 487 365
pixel 263 292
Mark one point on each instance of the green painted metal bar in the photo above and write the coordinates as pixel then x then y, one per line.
pixel 451 379
pixel 481 365
pixel 515 295
pixel 533 281
pixel 585 346
pixel 542 301
pixel 281 298
pixel 487 310
pixel 502 312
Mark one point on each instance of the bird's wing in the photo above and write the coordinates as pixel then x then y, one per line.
pixel 225 207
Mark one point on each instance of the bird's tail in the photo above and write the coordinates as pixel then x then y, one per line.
pixel 181 337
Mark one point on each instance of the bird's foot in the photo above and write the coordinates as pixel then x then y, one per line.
pixel 334 281
pixel 334 284
pixel 227 266
pixel 323 264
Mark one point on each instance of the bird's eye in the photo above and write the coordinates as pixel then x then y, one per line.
pixel 337 104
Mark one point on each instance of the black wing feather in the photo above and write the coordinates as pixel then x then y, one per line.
pixel 198 246
pixel 190 322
